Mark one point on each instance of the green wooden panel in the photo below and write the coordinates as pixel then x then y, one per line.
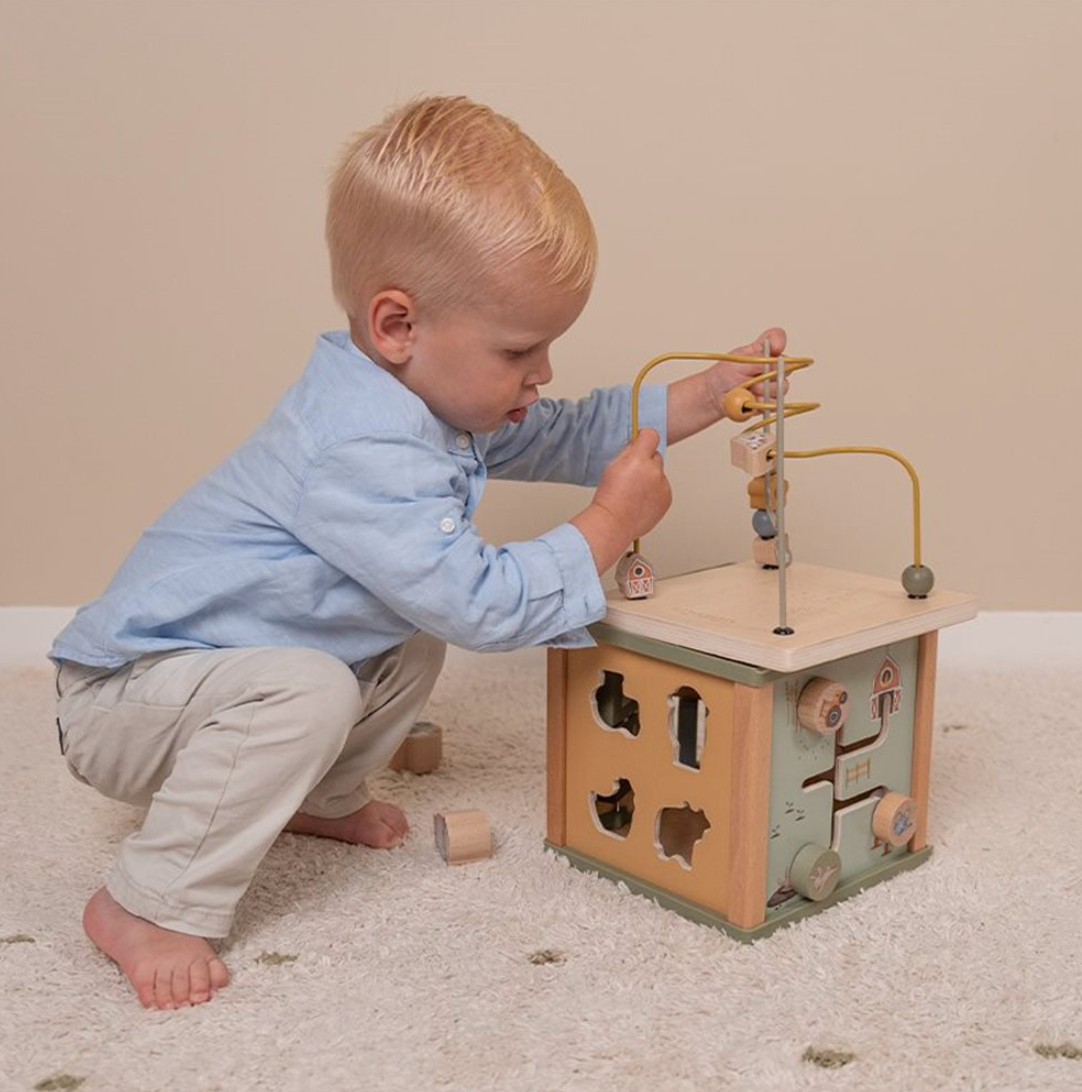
pixel 787 915
pixel 717 666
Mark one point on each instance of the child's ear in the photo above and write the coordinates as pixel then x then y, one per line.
pixel 392 317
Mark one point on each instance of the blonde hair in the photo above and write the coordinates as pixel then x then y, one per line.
pixel 440 197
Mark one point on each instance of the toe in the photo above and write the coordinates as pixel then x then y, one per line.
pixel 219 973
pixel 142 980
pixel 182 985
pixel 163 988
pixel 394 818
pixel 199 975
pixel 387 837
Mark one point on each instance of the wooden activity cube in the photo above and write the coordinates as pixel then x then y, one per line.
pixel 741 778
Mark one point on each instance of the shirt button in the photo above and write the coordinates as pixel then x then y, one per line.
pixel 462 440
pixel 447 525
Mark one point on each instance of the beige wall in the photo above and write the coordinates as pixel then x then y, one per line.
pixel 896 183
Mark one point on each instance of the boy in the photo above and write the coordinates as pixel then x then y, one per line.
pixel 274 635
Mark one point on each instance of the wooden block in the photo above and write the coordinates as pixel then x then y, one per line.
pixel 463 836
pixel 556 759
pixel 750 451
pixel 749 804
pixel 764 551
pixel 421 751
pixel 635 577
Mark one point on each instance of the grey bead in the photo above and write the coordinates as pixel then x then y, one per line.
pixel 763 523
pixel 918 581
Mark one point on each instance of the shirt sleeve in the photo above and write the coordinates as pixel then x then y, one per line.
pixel 561 440
pixel 389 512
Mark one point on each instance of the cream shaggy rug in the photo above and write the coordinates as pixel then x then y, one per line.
pixel 359 969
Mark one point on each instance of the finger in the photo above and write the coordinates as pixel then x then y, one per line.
pixel 773 341
pixel 769 343
pixel 647 441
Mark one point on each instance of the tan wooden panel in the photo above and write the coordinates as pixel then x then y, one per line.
pixel 597 757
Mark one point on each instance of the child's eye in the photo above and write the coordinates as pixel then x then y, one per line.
pixel 517 354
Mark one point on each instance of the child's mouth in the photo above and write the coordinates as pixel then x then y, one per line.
pixel 516 415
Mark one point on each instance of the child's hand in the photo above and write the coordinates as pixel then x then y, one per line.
pixel 726 374
pixel 634 488
pixel 631 498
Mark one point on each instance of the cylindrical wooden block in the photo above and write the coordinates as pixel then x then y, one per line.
pixel 893 820
pixel 421 750
pixel 463 836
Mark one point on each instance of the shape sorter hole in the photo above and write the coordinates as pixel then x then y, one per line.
pixel 613 812
pixel 687 726
pixel 678 832
pixel 613 707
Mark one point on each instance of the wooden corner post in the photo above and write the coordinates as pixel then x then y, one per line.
pixel 923 720
pixel 749 816
pixel 556 761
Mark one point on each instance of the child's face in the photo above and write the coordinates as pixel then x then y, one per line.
pixel 480 369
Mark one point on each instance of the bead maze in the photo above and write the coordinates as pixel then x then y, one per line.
pixel 741 772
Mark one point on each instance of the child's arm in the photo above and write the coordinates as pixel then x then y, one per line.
pixel 393 513
pixel 572 441
pixel 695 402
pixel 632 496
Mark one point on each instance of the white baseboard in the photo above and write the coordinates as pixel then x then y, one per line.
pixel 26 634
pixel 992 638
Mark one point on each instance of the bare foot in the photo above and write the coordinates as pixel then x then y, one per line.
pixel 377 824
pixel 168 969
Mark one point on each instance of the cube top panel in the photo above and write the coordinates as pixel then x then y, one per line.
pixel 731 611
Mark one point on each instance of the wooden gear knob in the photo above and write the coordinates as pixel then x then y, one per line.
pixel 823 706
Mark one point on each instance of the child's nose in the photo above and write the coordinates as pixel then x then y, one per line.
pixel 542 374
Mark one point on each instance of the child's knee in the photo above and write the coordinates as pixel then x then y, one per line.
pixel 328 690
pixel 431 653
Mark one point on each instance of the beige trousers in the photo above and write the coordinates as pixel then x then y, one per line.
pixel 224 747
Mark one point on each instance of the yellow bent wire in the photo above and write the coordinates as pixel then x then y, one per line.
pixel 890 455
pixel 792 363
pixel 792 409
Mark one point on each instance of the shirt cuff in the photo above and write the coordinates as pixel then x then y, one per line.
pixel 584 597
pixel 654 411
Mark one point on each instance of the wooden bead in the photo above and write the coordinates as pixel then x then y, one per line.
pixel 735 404
pixel 893 820
pixel 823 706
pixel 463 836
pixel 765 551
pixel 757 492
pixel 421 751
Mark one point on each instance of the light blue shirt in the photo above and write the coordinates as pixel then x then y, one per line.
pixel 345 523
